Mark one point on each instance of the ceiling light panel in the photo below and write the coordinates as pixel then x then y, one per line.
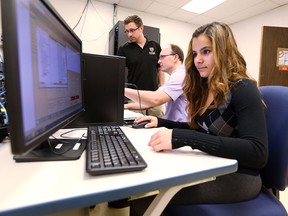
pixel 201 6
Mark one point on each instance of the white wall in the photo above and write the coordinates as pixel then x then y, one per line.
pixel 248 34
pixel 96 24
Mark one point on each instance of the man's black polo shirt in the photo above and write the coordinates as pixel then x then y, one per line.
pixel 142 64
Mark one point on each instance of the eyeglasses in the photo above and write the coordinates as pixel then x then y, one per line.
pixel 131 30
pixel 163 56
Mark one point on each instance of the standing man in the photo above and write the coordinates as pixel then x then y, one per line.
pixel 142 57
pixel 171 93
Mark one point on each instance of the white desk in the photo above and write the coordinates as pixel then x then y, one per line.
pixel 38 188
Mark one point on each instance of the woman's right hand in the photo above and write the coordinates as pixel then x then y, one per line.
pixel 152 119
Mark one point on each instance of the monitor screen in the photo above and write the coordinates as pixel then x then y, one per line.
pixel 42 58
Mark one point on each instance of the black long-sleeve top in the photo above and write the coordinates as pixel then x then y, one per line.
pixel 236 129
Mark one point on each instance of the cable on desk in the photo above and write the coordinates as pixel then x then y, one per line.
pixel 70 131
pixel 62 141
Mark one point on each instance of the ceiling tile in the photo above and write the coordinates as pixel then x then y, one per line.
pixel 110 1
pixel 182 15
pixel 174 3
pixel 136 5
pixel 230 8
pixel 280 2
pixel 158 8
pixel 250 12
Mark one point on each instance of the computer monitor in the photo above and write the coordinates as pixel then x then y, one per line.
pixel 42 58
pixel 103 84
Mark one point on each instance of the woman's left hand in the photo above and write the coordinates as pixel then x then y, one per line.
pixel 161 140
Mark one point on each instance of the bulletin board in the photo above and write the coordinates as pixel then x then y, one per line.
pixel 282 58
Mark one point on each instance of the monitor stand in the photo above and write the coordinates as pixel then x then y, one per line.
pixel 57 150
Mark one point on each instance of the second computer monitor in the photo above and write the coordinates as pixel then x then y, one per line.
pixel 103 90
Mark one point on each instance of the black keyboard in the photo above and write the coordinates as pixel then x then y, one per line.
pixel 110 151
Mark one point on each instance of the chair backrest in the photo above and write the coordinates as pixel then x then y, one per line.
pixel 274 174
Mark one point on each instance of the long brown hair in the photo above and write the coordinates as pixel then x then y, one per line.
pixel 229 67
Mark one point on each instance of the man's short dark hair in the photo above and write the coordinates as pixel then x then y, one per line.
pixel 134 18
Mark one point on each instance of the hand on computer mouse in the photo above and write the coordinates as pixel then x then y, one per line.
pixel 140 124
pixel 145 122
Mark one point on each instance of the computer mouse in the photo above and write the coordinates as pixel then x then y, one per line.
pixel 140 124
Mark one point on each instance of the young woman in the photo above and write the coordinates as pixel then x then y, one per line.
pixel 226 118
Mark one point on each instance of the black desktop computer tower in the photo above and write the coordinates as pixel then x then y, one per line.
pixel 103 83
pixel 118 37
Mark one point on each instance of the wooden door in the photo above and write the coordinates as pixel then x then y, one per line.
pixel 273 40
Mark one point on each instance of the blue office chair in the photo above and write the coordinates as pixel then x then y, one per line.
pixel 274 175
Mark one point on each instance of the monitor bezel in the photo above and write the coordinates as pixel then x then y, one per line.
pixel 12 84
